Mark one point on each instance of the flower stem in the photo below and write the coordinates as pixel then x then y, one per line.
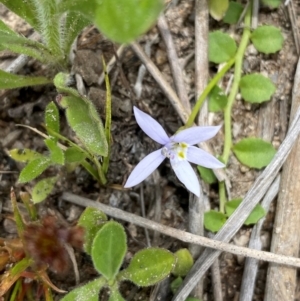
pixel 206 91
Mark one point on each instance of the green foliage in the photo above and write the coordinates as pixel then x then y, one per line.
pixel 56 153
pixel 267 39
pixel 254 152
pixel 214 220
pixel 108 249
pixel 12 81
pixel 123 21
pixel 33 169
pixel 207 175
pixel 184 262
pixel 256 214
pixel 217 100
pixel 218 8
pixel 87 292
pixel 221 47
pixel 272 3
pixel 74 155
pixel 233 13
pixel 42 189
pixel 52 117
pixel 256 88
pixel 91 220
pixel 24 155
pixel 149 266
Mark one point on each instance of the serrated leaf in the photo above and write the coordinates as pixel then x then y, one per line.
pixel 74 155
pixel 256 88
pixel 254 152
pixel 207 175
pixel 87 292
pixel 184 262
pixel 24 155
pixel 56 153
pixel 33 169
pixel 108 249
pixel 256 214
pixel 52 117
pixel 214 220
pixel 92 220
pixel 272 3
pixel 124 21
pixel 12 81
pixel 149 266
pixel 217 8
pixel 267 39
pixel 42 189
pixel 233 13
pixel 221 47
pixel 217 99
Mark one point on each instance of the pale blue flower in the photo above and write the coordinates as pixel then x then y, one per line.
pixel 178 148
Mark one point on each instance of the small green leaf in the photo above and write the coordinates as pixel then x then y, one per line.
pixel 256 88
pixel 217 100
pixel 74 155
pixel 115 295
pixel 207 175
pixel 272 3
pixel 214 220
pixel 221 47
pixel 56 153
pixel 108 249
pixel 184 262
pixel 12 81
pixel 267 39
pixel 149 266
pixel 217 8
pixel 33 169
pixel 256 214
pixel 91 220
pixel 24 155
pixel 175 284
pixel 123 21
pixel 254 152
pixel 42 189
pixel 87 292
pixel 233 13
pixel 52 117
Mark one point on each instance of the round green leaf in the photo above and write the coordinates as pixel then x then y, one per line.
pixel 123 21
pixel 272 3
pixel 254 152
pixel 207 175
pixel 52 117
pixel 256 88
pixel 233 13
pixel 267 39
pixel 24 155
pixel 217 100
pixel 92 221
pixel 108 249
pixel 149 266
pixel 42 189
pixel 217 8
pixel 221 47
pixel 175 284
pixel 256 214
pixel 214 220
pixel 33 169
pixel 184 262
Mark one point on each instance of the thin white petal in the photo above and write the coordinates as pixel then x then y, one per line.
pixel 200 157
pixel 196 134
pixel 151 127
pixel 144 168
pixel 186 175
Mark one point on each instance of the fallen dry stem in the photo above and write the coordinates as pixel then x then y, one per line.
pixel 179 234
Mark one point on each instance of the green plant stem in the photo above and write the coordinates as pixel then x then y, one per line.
pixel 235 85
pixel 206 91
pixel 222 196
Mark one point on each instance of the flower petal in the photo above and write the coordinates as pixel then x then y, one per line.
pixel 151 127
pixel 186 175
pixel 200 157
pixel 144 168
pixel 196 134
